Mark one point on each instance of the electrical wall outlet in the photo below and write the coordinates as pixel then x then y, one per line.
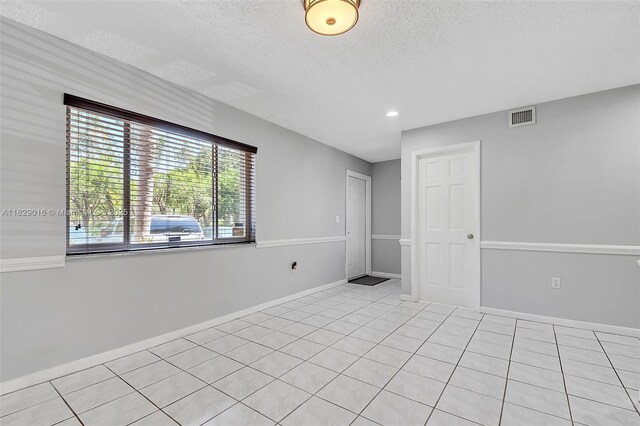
pixel 294 266
pixel 337 219
pixel 555 282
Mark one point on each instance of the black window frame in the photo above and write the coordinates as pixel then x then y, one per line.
pixel 249 151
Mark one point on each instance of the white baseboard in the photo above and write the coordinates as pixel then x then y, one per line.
pixel 101 358
pixel 408 298
pixel 614 329
pixel 386 275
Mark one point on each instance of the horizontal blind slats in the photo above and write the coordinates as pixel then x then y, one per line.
pixel 168 189
pixel 107 111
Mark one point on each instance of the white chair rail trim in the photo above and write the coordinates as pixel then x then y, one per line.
pixel 299 241
pixel 562 248
pixel 50 262
pixel 385 237
pixel 31 263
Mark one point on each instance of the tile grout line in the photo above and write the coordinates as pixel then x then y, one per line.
pixel 140 393
pixel 551 390
pixel 343 370
pixel 617 375
pixel 210 385
pixel 504 377
pixel 105 402
pixel 405 363
pixel 217 354
pixel 67 404
pixel 564 382
pixel 350 299
pixel 506 383
pixel 183 337
pixel 203 344
pixel 454 369
pixel 379 344
pixel 317 328
pixel 75 372
pixel 359 358
pixel 160 358
pixel 50 382
pixel 426 356
pixel 247 365
pixel 3 415
pixel 513 339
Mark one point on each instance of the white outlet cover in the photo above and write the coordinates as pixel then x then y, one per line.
pixel 337 219
pixel 555 282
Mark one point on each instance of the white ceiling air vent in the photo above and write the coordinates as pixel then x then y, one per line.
pixel 522 116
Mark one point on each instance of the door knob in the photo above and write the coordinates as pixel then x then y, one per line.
pixel 470 236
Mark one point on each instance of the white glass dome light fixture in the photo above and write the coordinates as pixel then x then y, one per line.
pixel 331 17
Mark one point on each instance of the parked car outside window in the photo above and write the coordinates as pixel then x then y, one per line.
pixel 163 228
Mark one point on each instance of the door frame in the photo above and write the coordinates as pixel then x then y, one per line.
pixel 416 156
pixel 367 257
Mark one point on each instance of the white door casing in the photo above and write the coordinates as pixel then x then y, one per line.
pixel 358 224
pixel 445 244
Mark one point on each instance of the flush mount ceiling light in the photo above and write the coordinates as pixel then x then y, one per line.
pixel 392 114
pixel 331 17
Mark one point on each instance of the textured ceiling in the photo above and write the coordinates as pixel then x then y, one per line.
pixel 432 61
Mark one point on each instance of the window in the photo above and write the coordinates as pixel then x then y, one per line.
pixel 136 182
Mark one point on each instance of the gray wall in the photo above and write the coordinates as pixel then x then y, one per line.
pixel 571 178
pixel 385 216
pixel 49 317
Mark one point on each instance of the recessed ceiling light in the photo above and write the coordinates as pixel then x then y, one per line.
pixel 392 114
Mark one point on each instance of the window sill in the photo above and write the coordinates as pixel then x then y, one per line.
pixel 71 257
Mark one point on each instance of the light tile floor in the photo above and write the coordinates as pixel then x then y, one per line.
pixel 354 355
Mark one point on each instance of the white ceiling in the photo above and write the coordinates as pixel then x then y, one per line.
pixel 432 61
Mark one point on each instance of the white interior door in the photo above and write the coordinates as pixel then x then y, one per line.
pixel 449 262
pixel 356 223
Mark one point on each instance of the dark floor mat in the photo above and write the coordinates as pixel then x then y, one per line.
pixel 368 280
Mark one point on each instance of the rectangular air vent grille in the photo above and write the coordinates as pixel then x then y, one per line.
pixel 522 116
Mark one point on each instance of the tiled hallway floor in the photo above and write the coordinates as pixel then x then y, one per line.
pixel 354 355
